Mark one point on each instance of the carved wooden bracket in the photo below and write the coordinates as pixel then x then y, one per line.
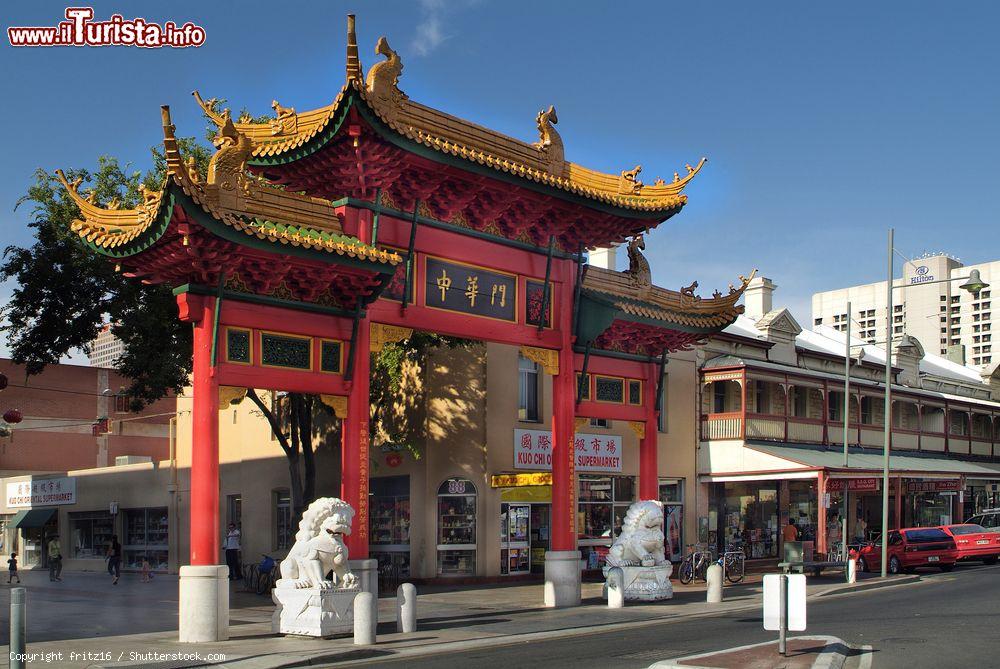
pixel 387 334
pixel 230 395
pixel 336 402
pixel 548 358
pixel 639 427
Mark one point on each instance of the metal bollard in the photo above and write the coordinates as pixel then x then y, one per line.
pixel 714 581
pixel 406 608
pixel 616 588
pixel 852 571
pixel 365 619
pixel 17 627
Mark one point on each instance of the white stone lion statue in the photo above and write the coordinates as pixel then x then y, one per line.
pixel 641 540
pixel 319 547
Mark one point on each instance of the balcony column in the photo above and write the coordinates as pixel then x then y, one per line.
pixel 821 514
pixel 743 405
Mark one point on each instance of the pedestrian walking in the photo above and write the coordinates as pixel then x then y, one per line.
pixel 233 552
pixel 55 559
pixel 12 568
pixel 147 574
pixel 115 559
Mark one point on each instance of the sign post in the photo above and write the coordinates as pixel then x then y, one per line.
pixel 784 605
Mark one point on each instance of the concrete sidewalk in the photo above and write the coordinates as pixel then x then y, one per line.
pixel 448 618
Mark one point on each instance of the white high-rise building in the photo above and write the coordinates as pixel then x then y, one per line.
pixel 105 348
pixel 946 319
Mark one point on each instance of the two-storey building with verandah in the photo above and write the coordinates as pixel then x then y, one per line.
pixel 772 432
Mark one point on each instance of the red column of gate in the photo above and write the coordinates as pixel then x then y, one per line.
pixel 563 428
pixel 354 459
pixel 204 440
pixel 648 465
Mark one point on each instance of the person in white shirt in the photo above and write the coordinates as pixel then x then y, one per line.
pixel 232 545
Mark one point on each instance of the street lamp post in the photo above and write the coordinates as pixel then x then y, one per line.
pixel 973 284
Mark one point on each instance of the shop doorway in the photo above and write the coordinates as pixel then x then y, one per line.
pixel 515 539
pixel 539 536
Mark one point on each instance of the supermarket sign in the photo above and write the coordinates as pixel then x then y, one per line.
pixel 43 492
pixel 837 485
pixel 594 452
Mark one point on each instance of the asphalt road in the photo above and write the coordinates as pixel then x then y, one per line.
pixel 946 620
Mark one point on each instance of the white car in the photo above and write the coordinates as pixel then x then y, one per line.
pixel 988 518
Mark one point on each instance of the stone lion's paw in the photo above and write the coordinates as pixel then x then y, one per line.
pixel 350 581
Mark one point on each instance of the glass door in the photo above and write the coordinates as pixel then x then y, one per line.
pixel 515 535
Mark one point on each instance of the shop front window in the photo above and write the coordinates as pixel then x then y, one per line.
pixel 672 496
pixel 802 508
pixel 603 503
pixel 389 534
pixel 750 518
pixel 146 538
pixel 931 509
pixel 91 533
pixel 456 528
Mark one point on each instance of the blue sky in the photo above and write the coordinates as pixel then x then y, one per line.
pixel 824 123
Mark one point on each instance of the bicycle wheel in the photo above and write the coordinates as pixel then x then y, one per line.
pixel 263 581
pixel 735 569
pixel 686 572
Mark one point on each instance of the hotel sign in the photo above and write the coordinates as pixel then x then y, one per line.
pixel 923 275
pixel 594 452
pixel 42 492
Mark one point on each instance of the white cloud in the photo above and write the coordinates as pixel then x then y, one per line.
pixel 429 35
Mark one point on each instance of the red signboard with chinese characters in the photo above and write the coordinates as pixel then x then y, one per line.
pixel 837 485
pixel 594 452
pixel 948 485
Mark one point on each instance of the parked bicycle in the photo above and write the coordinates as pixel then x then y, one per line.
pixel 695 564
pixel 265 575
pixel 734 563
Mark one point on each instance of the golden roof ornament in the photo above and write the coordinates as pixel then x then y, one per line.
pixel 629 183
pixel 638 267
pixel 383 77
pixel 286 121
pixel 549 141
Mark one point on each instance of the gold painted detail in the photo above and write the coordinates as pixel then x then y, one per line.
pixel 229 395
pixel 382 334
pixel 580 421
pixel 383 77
pixel 338 403
pixel 549 141
pixel 518 480
pixel 541 162
pixel 666 305
pixel 629 183
pixel 639 427
pixel 286 121
pixel 548 358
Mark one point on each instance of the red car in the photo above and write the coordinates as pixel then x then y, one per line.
pixel 974 542
pixel 911 548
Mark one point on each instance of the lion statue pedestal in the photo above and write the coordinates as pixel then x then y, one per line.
pixel 307 602
pixel 638 551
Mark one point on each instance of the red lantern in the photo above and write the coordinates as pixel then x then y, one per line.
pixel 13 416
pixel 3 380
pixel 394 459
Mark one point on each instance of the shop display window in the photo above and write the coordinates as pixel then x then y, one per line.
pixel 390 511
pixel 456 527
pixel 749 518
pixel 146 538
pixel 672 497
pixel 603 502
pixel 91 533
pixel 396 562
pixel 282 510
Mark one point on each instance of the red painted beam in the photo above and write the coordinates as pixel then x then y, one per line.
pixel 590 409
